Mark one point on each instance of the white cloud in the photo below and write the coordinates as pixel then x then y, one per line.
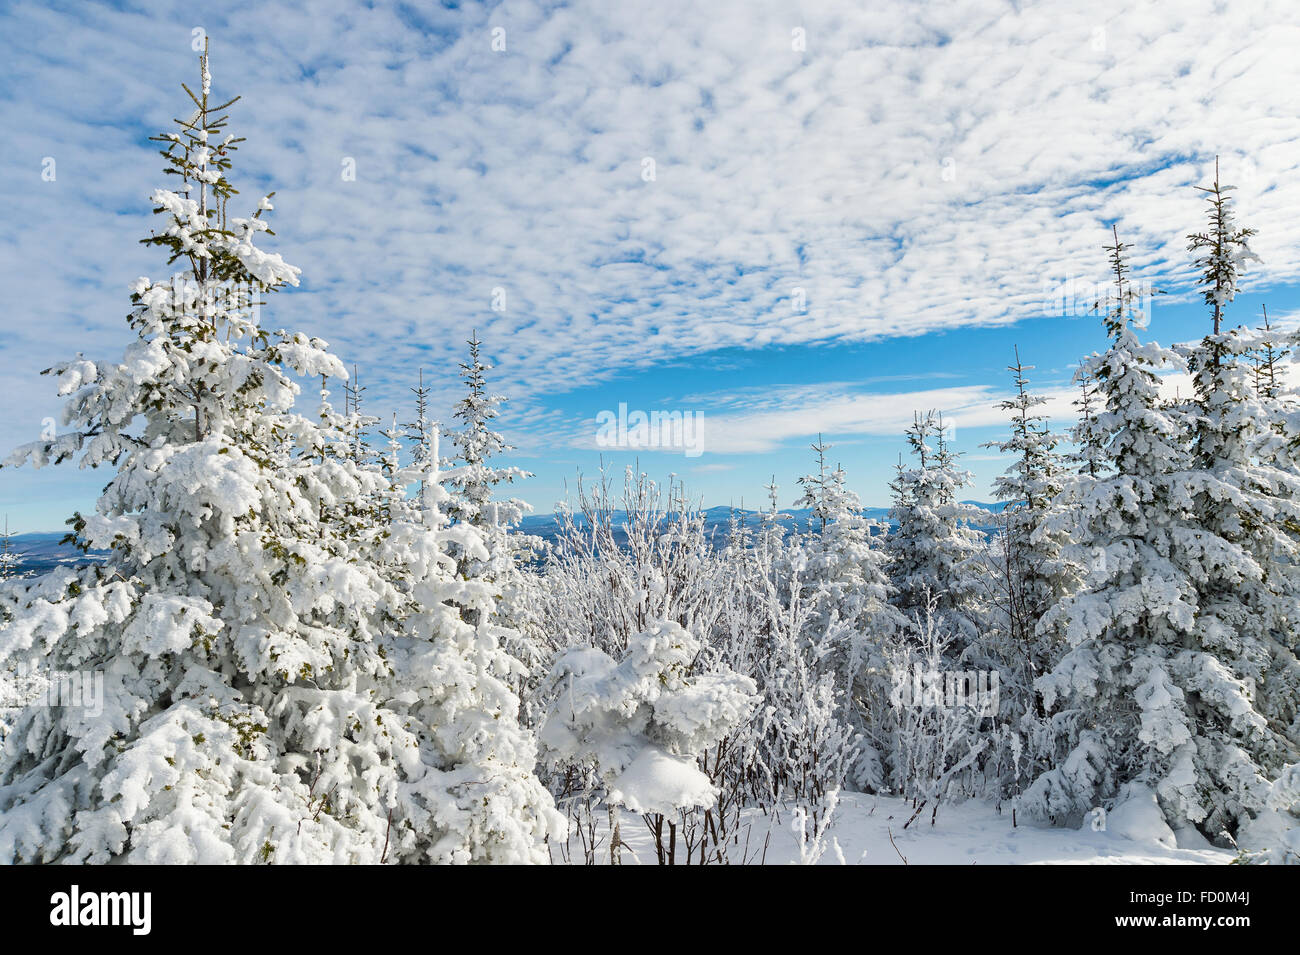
pixel 776 170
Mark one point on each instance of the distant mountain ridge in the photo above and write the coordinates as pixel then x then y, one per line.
pixel 43 552
pixel 716 519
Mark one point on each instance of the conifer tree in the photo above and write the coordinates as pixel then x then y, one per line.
pixel 1244 506
pixel 843 575
pixel 358 422
pixel 10 559
pixel 420 428
pixel 1155 695
pixel 933 549
pixel 277 687
pixel 1034 574
pixel 1089 455
pixel 1268 355
pixel 1131 596
pixel 841 590
pixel 474 480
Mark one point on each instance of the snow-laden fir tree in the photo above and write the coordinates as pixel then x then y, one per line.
pixel 10 559
pixel 358 423
pixel 15 682
pixel 271 693
pixel 1028 574
pixel 842 571
pixel 933 550
pixel 1089 454
pixel 1156 696
pixel 395 501
pixel 1272 355
pixel 838 579
pixel 420 428
pixel 474 481
pixel 1031 571
pixel 1267 359
pixel 1110 677
pixel 472 796
pixel 1246 508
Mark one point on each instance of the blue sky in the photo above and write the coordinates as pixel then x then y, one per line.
pixel 921 178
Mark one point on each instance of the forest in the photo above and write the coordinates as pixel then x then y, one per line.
pixel 321 636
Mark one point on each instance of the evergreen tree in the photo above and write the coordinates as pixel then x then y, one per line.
pixel 1109 683
pixel 1245 508
pixel 1032 570
pixel 840 594
pixel 843 573
pixel 472 796
pixel 1268 354
pixel 932 552
pixel 395 502
pixel 276 687
pixel 1155 696
pixel 358 422
pixel 1089 455
pixel 473 482
pixel 420 429
pixel 10 560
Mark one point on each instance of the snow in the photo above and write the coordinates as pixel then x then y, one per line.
pixel 656 781
pixel 967 833
pixel 1139 819
pixel 298 659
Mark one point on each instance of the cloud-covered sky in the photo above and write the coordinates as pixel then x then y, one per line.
pixel 789 217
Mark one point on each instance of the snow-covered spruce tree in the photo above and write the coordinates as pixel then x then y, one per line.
pixel 1089 454
pixel 395 500
pixel 1027 574
pixel 420 428
pixel 772 530
pixel 1031 572
pixel 1155 695
pixel 10 559
pixel 843 573
pixel 1131 592
pixel 471 796
pixel 1247 510
pixel 933 551
pixel 358 423
pixel 474 480
pixel 838 568
pixel 1279 405
pixel 1270 351
pixel 642 722
pixel 249 711
pixel 16 683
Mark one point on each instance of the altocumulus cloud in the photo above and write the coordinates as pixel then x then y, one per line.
pixel 897 170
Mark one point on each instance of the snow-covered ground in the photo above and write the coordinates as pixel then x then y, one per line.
pixel 969 833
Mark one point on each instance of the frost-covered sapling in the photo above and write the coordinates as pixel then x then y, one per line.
pixel 643 721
